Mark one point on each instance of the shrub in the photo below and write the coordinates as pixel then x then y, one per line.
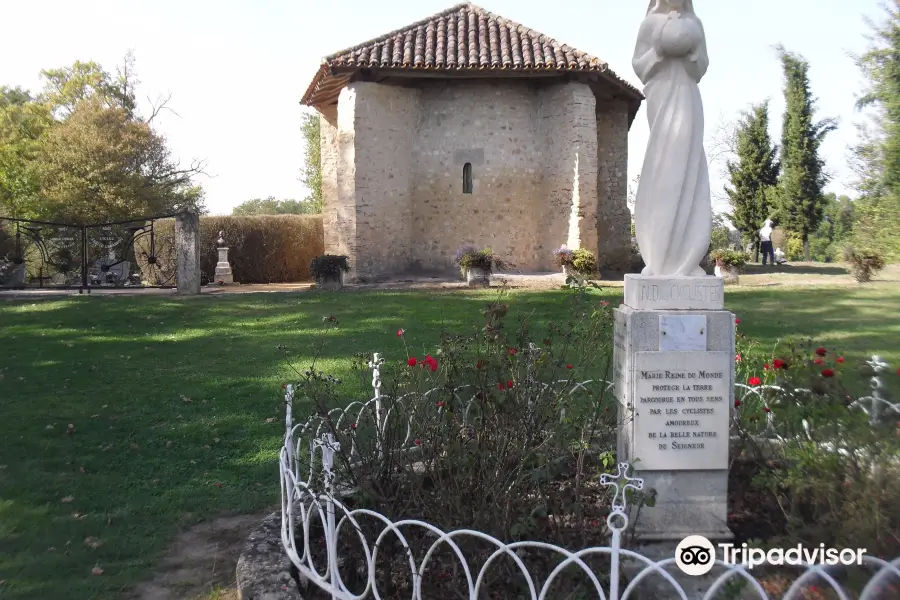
pixel 863 263
pixel 262 249
pixel 328 265
pixel 470 257
pixel 488 431
pixel 832 477
pixel 579 261
pixel 584 262
pixel 794 248
pixel 730 258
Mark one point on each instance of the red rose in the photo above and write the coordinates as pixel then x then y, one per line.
pixel 754 381
pixel 819 361
pixel 839 359
pixel 767 409
pixel 352 425
pixel 439 404
pixel 400 332
pixel 779 364
pixel 431 362
pixel 737 403
pixel 766 366
pixel 509 384
pixel 827 373
pixel 418 442
pixel 512 351
pixel 737 358
pixel 412 362
pixel 737 321
pixel 821 351
pixel 479 364
pixel 500 386
pixel 569 366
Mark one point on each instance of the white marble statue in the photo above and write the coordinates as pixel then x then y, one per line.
pixel 673 210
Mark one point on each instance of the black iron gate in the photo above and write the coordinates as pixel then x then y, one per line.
pixel 41 254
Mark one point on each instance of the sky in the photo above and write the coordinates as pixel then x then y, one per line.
pixel 236 69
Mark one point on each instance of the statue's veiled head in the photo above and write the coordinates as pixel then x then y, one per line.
pixel 667 6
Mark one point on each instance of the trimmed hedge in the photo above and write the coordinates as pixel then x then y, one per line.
pixel 262 249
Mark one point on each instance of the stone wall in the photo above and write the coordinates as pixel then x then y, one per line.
pixel 569 205
pixel 495 128
pixel 614 218
pixel 392 169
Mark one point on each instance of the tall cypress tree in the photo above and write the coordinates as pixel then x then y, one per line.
pixel 753 175
pixel 803 177
pixel 876 158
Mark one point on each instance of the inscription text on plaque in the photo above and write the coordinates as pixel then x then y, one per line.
pixel 682 404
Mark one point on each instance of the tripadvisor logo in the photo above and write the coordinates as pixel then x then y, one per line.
pixel 695 555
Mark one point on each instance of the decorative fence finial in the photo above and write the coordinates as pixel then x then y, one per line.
pixel 620 483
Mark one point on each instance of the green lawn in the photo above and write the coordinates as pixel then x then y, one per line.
pixel 176 413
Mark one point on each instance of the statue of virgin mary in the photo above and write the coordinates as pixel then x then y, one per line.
pixel 673 210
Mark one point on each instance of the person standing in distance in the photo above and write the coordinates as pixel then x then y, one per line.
pixel 765 236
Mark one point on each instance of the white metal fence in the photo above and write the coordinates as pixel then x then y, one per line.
pixel 316 525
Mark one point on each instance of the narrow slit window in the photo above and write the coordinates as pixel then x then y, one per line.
pixel 467 178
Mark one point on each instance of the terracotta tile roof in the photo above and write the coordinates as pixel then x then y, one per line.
pixel 460 39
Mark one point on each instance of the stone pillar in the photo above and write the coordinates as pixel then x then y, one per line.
pixel 187 252
pixel 613 216
pixel 674 380
pixel 223 267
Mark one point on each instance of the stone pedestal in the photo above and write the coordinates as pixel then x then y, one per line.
pixel 187 253
pixel 674 380
pixel 223 268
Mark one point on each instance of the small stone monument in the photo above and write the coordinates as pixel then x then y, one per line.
pixel 223 267
pixel 674 342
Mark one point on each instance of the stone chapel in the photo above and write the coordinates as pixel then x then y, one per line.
pixel 468 128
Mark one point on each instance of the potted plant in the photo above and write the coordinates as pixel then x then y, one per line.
pixel 328 270
pixel 729 264
pixel 476 265
pixel 578 263
pixel 563 258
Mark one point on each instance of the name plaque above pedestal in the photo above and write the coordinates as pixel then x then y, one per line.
pixel 681 407
pixel 644 292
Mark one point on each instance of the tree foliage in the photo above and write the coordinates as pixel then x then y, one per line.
pixel 876 156
pixel 754 173
pixel 271 206
pixel 311 172
pixel 79 151
pixel 803 176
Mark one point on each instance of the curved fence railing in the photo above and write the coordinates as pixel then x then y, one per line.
pixel 318 527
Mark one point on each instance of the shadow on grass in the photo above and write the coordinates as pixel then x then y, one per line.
pixel 796 269
pixel 177 414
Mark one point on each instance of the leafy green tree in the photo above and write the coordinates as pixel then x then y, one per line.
pixel 271 206
pixel 803 177
pixel 311 172
pixel 834 230
pixel 79 151
pixel 753 175
pixel 102 165
pixel 720 236
pixel 66 87
pixel 876 157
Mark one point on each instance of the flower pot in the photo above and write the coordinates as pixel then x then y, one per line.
pixel 731 275
pixel 478 278
pixel 331 282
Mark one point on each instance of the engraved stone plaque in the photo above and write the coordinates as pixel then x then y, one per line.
pixel 682 404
